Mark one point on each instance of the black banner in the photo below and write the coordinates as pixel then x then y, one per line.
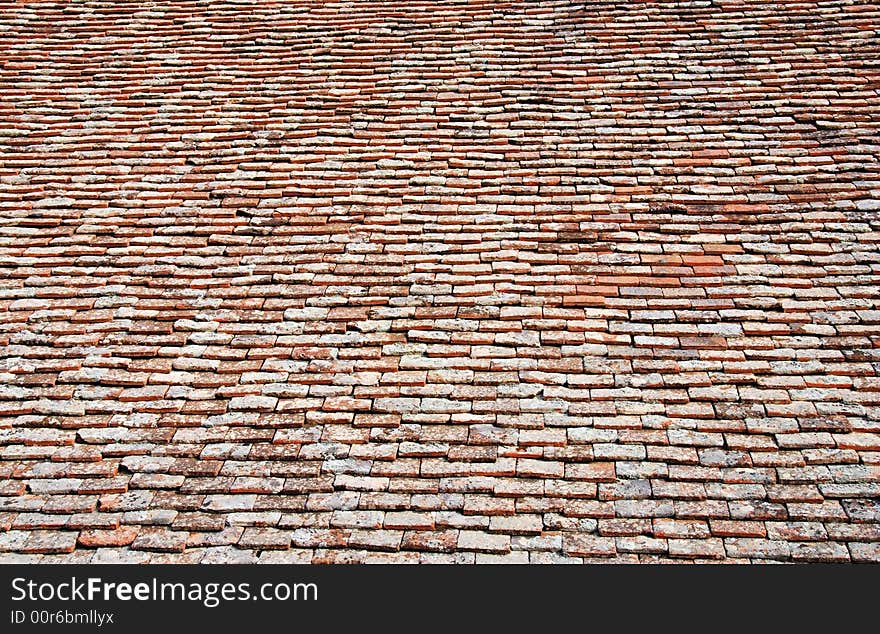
pixel 129 598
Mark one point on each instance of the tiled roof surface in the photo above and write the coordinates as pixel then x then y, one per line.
pixel 439 281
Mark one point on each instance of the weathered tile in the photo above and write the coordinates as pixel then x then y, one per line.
pixel 489 325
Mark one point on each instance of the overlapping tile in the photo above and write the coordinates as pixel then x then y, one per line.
pixel 439 282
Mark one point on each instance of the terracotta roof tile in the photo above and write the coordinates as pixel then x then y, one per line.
pixel 439 282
